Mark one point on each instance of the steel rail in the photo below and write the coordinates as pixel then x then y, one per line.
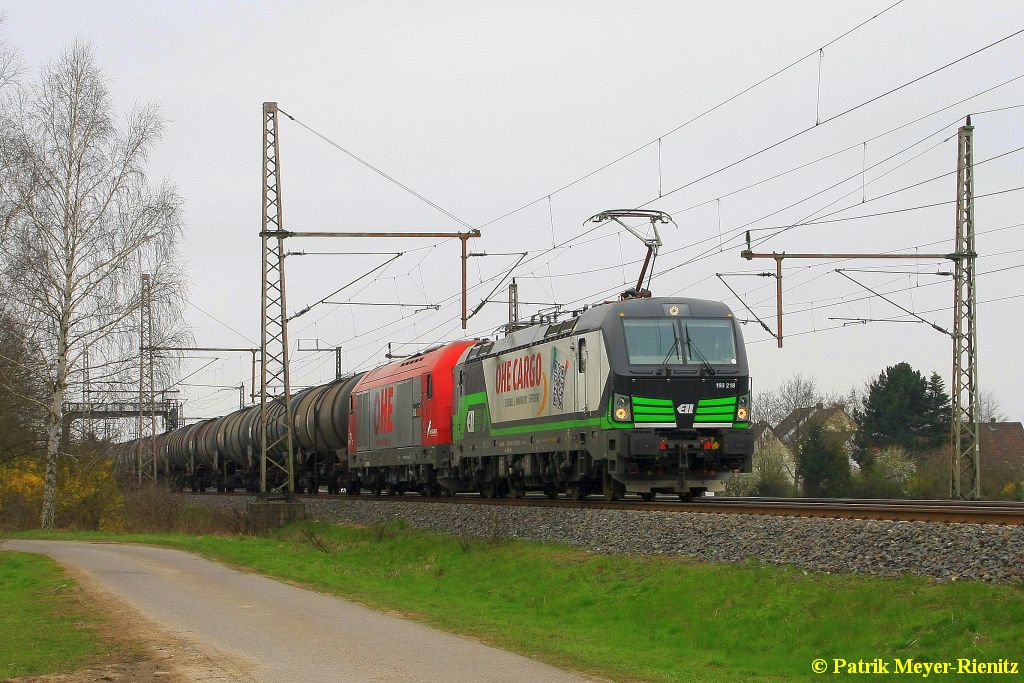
pixel 959 512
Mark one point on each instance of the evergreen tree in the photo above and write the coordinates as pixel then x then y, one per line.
pixel 899 411
pixel 822 464
pixel 937 427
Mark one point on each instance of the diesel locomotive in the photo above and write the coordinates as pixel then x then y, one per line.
pixel 638 396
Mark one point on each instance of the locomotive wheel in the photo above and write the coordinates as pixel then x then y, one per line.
pixel 686 496
pixel 649 497
pixel 613 490
pixel 447 493
pixel 376 488
pixel 550 491
pixel 489 489
pixel 518 491
pixel 575 492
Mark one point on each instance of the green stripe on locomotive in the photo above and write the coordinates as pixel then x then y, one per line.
pixel 645 411
pixel 478 401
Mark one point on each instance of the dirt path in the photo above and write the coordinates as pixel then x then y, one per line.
pixel 220 624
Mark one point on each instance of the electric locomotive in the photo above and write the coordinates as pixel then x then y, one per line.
pixel 643 395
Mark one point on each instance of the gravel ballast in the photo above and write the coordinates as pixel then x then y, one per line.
pixel 947 552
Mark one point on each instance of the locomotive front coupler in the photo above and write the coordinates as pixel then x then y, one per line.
pixel 676 442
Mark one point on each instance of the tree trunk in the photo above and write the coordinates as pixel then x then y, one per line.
pixel 56 419
pixel 53 447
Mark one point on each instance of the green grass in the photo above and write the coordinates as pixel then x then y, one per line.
pixel 635 618
pixel 43 628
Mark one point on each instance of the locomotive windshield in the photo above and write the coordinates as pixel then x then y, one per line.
pixel 680 341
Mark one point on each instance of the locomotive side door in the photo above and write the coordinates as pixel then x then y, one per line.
pixel 418 405
pixel 581 363
pixel 590 372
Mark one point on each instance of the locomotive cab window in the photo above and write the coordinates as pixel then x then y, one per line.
pixel 650 341
pixel 709 340
pixel 680 341
pixel 581 365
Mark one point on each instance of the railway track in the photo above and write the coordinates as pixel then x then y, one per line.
pixel 966 512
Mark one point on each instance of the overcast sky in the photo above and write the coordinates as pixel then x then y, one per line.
pixel 484 107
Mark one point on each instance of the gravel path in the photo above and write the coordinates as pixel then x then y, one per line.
pixel 277 632
pixel 948 552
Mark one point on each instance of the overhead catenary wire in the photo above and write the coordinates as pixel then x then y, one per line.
pixel 834 117
pixel 578 299
pixel 842 326
pixel 889 131
pixel 826 263
pixel 592 295
pixel 546 251
pixel 220 322
pixel 848 299
pixel 377 170
pixel 893 211
pixel 736 230
pixel 878 136
pixel 713 250
pixel 693 119
pixel 819 220
pixel 935 326
pixel 305 310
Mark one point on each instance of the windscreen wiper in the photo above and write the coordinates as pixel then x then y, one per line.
pixel 675 345
pixel 691 347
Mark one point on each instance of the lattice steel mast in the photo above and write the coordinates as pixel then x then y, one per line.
pixel 146 459
pixel 965 480
pixel 965 470
pixel 275 457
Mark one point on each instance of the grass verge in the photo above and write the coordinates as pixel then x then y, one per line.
pixel 632 618
pixel 44 627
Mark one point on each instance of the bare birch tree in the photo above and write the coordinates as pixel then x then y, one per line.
pixel 82 223
pixel 773 405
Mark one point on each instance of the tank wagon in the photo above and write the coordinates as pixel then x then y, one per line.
pixel 644 396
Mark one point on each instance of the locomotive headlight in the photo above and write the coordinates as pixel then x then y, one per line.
pixel 620 408
pixel 743 408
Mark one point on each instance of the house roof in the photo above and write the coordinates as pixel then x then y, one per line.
pixel 762 430
pixel 790 428
pixel 1002 448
